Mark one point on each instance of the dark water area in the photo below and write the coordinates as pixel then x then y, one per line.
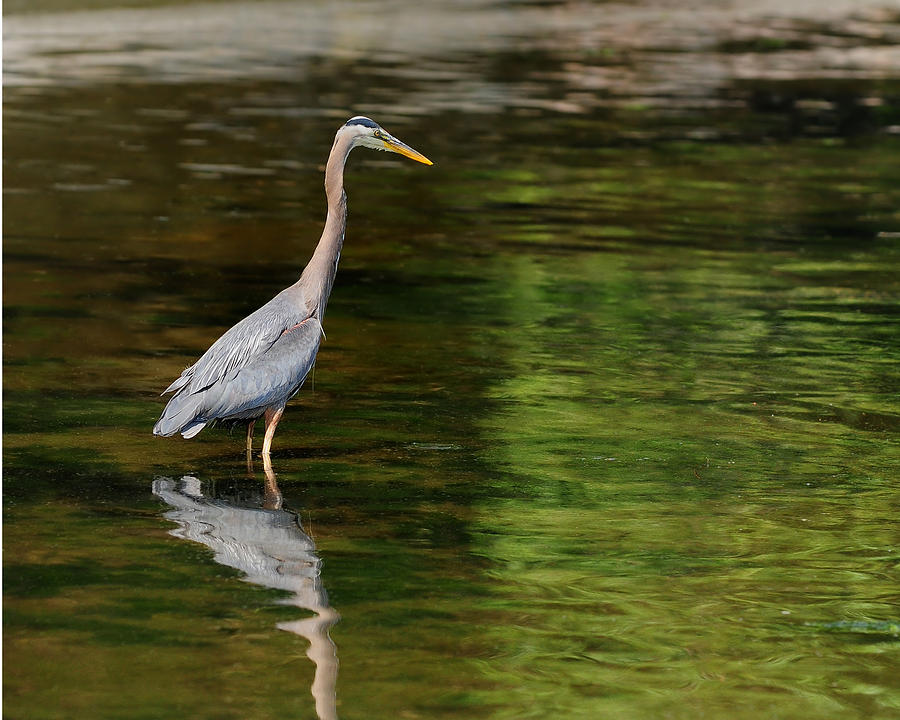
pixel 606 421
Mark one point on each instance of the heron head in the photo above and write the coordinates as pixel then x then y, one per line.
pixel 368 133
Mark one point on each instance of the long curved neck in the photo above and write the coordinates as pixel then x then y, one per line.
pixel 318 276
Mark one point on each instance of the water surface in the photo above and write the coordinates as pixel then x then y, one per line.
pixel 606 420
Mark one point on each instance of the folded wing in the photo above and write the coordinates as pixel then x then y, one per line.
pixel 261 362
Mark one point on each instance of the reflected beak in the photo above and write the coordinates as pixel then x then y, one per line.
pixel 394 145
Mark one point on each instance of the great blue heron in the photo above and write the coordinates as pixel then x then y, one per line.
pixel 261 362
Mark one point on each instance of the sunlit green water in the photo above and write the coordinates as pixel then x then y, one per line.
pixel 605 425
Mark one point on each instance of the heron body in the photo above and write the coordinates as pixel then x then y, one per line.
pixel 255 367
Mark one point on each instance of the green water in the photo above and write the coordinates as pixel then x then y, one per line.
pixel 606 422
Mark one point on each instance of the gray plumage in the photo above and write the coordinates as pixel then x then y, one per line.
pixel 258 365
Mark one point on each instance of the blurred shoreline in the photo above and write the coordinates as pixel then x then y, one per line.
pixel 642 49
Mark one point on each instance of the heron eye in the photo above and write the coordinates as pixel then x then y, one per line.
pixel 379 134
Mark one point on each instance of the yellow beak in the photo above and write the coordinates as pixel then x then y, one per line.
pixel 394 145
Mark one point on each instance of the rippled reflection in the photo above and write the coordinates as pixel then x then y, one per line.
pixel 267 543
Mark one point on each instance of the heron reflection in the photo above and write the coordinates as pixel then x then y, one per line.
pixel 257 536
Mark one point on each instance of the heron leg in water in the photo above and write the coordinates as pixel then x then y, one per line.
pixel 272 417
pixel 272 499
pixel 250 426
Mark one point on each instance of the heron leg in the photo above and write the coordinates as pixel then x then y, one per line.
pixel 272 417
pixel 250 427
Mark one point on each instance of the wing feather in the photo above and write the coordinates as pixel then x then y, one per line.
pixel 272 378
pixel 260 362
pixel 242 344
